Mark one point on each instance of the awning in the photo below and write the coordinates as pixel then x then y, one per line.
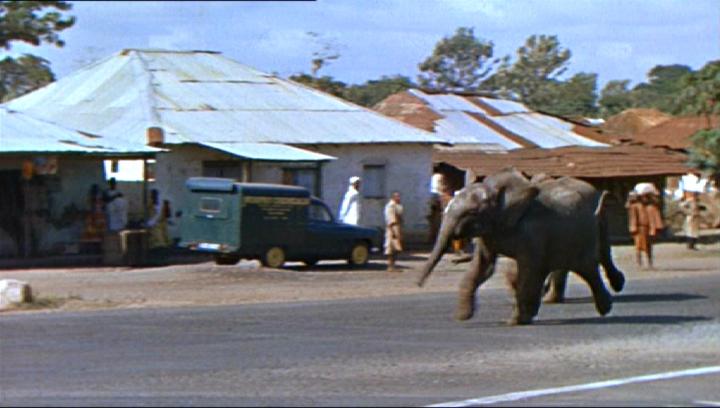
pixel 23 134
pixel 268 152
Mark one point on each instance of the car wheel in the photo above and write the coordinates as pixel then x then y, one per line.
pixel 226 259
pixel 310 261
pixel 274 257
pixel 360 254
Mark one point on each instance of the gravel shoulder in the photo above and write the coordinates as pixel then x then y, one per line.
pixel 206 284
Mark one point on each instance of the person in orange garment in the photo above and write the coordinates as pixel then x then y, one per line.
pixel 644 223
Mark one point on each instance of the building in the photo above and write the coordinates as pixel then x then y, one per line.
pixel 46 172
pixel 221 118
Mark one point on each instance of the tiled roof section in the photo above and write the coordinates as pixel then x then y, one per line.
pixel 633 121
pixel 410 109
pixel 675 133
pixel 575 161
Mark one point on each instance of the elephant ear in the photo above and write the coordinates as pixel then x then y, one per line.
pixel 513 202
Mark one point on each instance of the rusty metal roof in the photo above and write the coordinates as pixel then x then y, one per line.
pixel 479 119
pixel 675 133
pixel 202 96
pixel 575 161
pixel 22 133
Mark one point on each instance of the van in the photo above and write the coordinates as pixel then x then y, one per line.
pixel 270 222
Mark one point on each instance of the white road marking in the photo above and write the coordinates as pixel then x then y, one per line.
pixel 515 396
pixel 708 403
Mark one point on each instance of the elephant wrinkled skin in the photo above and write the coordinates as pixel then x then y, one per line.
pixel 546 225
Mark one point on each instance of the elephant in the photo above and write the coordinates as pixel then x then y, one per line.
pixel 546 225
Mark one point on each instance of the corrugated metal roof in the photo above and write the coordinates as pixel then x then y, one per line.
pixel 22 133
pixel 463 119
pixel 269 152
pixel 462 128
pixel 200 96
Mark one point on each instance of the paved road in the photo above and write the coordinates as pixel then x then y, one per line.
pixel 403 350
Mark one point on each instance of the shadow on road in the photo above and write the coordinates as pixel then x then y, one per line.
pixel 639 298
pixel 640 319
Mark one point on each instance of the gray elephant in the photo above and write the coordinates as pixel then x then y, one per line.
pixel 548 225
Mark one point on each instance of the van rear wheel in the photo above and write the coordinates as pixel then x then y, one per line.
pixel 360 254
pixel 274 257
pixel 226 259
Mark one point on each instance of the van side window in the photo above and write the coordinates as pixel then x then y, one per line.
pixel 210 204
pixel 318 212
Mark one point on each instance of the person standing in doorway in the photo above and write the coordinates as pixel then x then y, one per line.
pixel 350 207
pixel 116 207
pixel 393 229
pixel 157 223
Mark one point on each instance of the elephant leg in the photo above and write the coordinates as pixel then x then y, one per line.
pixel 603 299
pixel 614 275
pixel 481 269
pixel 555 286
pixel 529 292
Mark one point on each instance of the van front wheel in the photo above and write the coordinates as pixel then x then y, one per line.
pixel 274 257
pixel 359 255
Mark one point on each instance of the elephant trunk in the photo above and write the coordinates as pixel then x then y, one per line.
pixel 441 244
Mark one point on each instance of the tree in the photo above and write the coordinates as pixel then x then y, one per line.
pixel 28 21
pixel 328 51
pixel 700 96
pixel 534 74
pixel 22 75
pixel 458 63
pixel 325 83
pixel 32 23
pixel 664 83
pixel 615 97
pixel 571 98
pixel 374 91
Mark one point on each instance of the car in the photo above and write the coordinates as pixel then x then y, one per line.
pixel 270 222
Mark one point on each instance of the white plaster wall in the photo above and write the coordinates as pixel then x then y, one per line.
pixel 408 169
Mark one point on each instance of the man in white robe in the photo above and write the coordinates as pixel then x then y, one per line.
pixel 350 208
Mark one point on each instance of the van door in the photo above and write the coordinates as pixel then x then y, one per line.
pixel 325 236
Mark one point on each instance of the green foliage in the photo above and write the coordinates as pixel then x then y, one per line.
pixel 700 91
pixel 325 83
pixel 22 75
pixel 30 22
pixel 534 74
pixel 574 97
pixel 705 151
pixel 374 91
pixel 700 96
pixel 615 97
pixel 458 63
pixel 664 83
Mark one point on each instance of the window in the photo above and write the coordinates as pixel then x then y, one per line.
pixel 373 181
pixel 210 204
pixel 318 212
pixel 226 169
pixel 307 178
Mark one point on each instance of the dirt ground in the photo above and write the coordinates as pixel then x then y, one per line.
pixel 206 284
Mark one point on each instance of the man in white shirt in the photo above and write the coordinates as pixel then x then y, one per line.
pixel 350 208
pixel 117 211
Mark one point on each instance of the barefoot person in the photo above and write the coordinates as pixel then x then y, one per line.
pixel 393 229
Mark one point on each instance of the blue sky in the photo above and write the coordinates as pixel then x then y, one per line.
pixel 618 39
